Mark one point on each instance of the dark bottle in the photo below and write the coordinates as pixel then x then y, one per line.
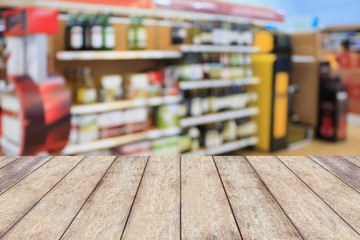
pixel 87 32
pixel 178 34
pixel 84 22
pixel 206 35
pixel 206 65
pixel 74 33
pixel 109 38
pixel 96 33
pixel 187 102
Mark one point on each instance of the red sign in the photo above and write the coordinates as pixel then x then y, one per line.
pixel 122 3
pixel 22 21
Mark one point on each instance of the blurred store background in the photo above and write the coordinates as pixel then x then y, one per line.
pixel 179 77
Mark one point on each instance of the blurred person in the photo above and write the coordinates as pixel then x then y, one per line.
pixel 346 57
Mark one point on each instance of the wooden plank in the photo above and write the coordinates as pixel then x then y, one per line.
pixel 313 218
pixel 19 199
pixel 205 211
pixel 109 205
pixel 18 169
pixel 6 160
pixel 354 160
pixel 53 214
pixel 156 210
pixel 257 213
pixel 338 195
pixel 343 169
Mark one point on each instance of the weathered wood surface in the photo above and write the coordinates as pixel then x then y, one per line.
pixel 249 197
pixel 206 213
pixel 333 191
pixel 18 169
pixel 53 214
pixel 19 199
pixel 109 205
pixel 6 160
pixel 343 169
pixel 156 210
pixel 354 160
pixel 313 218
pixel 179 198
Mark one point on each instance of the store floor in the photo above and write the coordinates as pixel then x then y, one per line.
pixel 349 147
pixel 179 198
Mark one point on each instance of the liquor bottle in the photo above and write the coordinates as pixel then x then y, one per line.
pixel 109 38
pixel 87 32
pixel 178 33
pixel 196 104
pixel 206 65
pixel 131 34
pixel 205 103
pixel 141 35
pixel 96 33
pixel 195 33
pixel 86 90
pixel 74 33
pixel 187 103
pixel 230 131
pixel 217 32
pixel 206 33
pixel 84 21
pixel 194 133
pixel 71 81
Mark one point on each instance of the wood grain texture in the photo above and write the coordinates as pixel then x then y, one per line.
pixel 206 213
pixel 343 169
pixel 19 199
pixel 109 205
pixel 354 160
pixel 6 160
pixel 156 210
pixel 313 218
pixel 18 169
pixel 338 195
pixel 257 213
pixel 53 214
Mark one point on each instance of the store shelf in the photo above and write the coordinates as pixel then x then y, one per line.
pixel 201 84
pixel 124 104
pixel 227 147
pixel 118 141
pixel 218 117
pixel 116 55
pixel 220 49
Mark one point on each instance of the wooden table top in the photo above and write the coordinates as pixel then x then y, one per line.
pixel 173 198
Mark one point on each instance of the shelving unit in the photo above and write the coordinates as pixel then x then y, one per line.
pixel 121 140
pixel 218 49
pixel 227 147
pixel 218 117
pixel 218 83
pixel 123 104
pixel 116 55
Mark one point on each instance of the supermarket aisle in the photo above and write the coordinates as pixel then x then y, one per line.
pixel 173 198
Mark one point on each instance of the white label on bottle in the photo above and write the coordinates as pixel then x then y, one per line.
pixel 90 96
pixel 141 37
pixel 109 37
pixel 96 37
pixel 76 37
pixel 205 105
pixel 196 107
